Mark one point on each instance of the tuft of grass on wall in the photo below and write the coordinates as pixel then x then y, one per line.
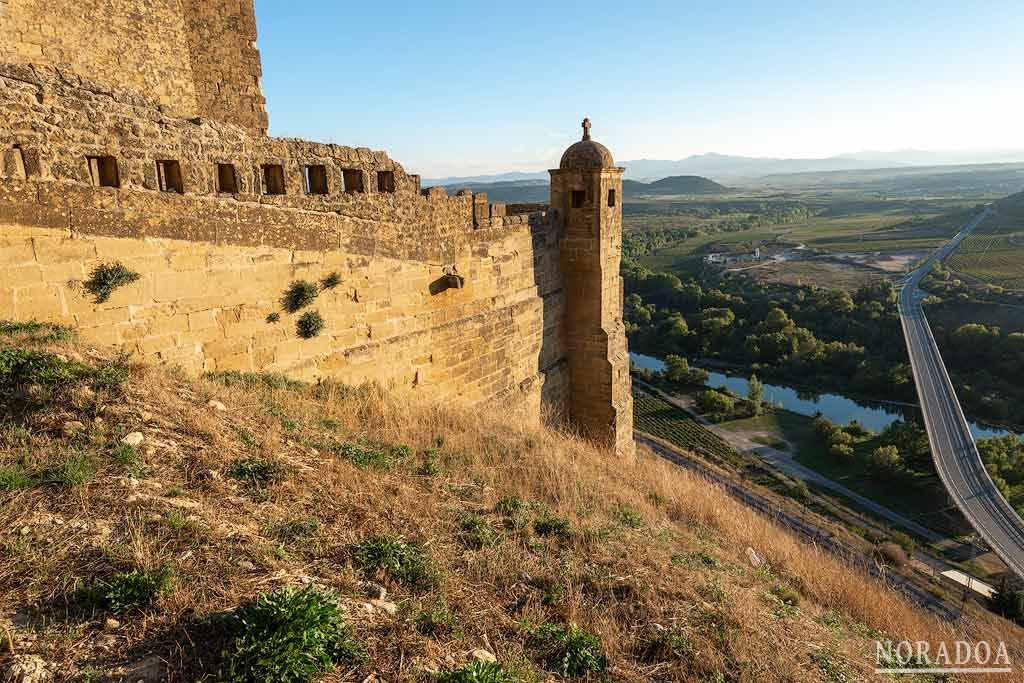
pixel 107 277
pixel 300 293
pixel 309 324
pixel 330 281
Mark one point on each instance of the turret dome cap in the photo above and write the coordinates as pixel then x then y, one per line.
pixel 587 154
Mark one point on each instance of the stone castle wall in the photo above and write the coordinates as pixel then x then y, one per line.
pixel 214 265
pixel 204 297
pixel 225 63
pixel 192 57
pixel 133 132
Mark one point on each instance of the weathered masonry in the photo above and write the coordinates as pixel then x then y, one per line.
pixel 138 137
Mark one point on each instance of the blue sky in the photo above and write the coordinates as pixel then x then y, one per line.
pixel 464 88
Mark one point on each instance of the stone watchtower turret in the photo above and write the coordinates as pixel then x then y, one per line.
pixel 586 196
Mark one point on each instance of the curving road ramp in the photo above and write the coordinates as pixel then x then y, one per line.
pixel 953 448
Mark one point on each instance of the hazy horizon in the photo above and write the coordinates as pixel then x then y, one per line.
pixel 472 90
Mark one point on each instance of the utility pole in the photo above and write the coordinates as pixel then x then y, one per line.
pixel 970 577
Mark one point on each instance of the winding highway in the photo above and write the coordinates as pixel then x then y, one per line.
pixel 953 448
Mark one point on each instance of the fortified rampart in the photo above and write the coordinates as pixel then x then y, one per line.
pixel 193 57
pixel 454 296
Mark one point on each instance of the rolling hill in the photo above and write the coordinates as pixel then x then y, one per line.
pixel 680 184
pixel 262 529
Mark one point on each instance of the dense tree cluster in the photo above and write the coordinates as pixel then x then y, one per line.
pixel 1004 459
pixel 902 449
pixel 1008 602
pixel 678 370
pixel 829 338
pixel 987 364
pixel 823 338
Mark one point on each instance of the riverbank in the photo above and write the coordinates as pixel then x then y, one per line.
pixel 839 408
pixel 919 498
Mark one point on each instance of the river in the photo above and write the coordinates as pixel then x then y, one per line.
pixel 835 407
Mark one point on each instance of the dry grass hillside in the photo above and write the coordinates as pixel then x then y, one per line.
pixel 249 528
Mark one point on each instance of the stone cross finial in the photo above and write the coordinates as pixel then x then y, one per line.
pixel 586 129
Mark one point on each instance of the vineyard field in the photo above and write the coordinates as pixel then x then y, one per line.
pixel 996 258
pixel 663 420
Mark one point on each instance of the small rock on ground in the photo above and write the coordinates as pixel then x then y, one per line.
pixel 133 438
pixel 482 655
pixel 148 670
pixel 374 590
pixel 385 606
pixel 217 405
pixel 25 669
pixel 72 426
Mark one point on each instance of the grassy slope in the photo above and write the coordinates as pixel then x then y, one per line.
pixel 650 547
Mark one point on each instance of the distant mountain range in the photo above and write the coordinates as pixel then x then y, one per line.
pixel 724 167
pixel 530 191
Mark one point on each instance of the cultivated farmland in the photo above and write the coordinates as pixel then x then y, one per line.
pixel 663 420
pixel 995 252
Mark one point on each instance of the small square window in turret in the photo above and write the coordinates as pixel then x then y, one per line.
pixel 611 197
pixel 577 199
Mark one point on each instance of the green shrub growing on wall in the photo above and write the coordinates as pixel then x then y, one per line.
pixel 107 277
pixel 331 281
pixel 299 294
pixel 309 325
